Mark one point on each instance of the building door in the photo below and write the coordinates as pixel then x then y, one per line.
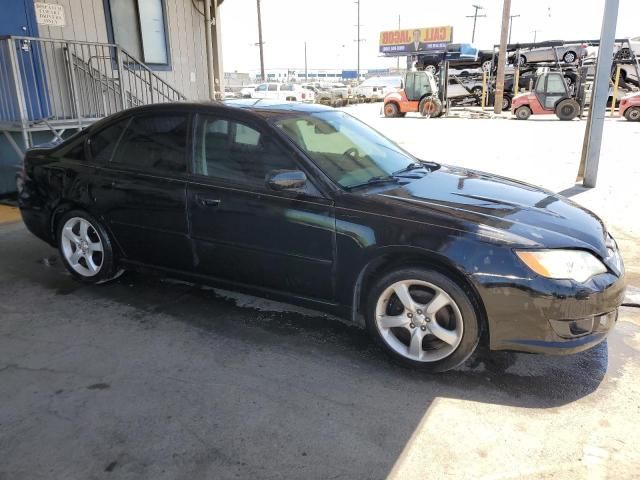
pixel 18 18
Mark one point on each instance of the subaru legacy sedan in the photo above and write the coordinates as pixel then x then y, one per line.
pixel 306 204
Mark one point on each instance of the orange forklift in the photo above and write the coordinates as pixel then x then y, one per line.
pixel 419 93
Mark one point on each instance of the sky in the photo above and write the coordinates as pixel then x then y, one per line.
pixel 329 27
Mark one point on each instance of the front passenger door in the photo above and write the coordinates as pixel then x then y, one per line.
pixel 246 233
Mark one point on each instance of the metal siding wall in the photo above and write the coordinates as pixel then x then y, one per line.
pixel 85 21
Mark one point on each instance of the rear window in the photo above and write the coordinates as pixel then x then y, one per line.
pixel 103 143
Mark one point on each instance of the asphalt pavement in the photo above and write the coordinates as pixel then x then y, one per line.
pixel 149 378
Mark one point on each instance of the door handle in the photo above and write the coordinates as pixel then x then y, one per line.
pixel 208 202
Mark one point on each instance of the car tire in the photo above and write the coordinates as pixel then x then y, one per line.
pixel 522 113
pixel 570 57
pixel 623 54
pixel 433 337
pixel 86 248
pixel 567 109
pixel 391 110
pixel 522 60
pixel 506 102
pixel 486 66
pixel 477 91
pixel 430 106
pixel 632 114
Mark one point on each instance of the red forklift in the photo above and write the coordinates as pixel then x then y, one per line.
pixel 551 94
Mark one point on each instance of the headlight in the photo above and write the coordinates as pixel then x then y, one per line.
pixel 577 265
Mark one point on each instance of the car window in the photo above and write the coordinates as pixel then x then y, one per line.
pixel 74 149
pixel 273 87
pixel 261 88
pixel 155 143
pixel 103 143
pixel 287 87
pixel 237 153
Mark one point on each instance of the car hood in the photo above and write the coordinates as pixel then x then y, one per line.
pixel 504 209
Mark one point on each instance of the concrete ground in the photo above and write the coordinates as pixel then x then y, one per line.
pixel 148 378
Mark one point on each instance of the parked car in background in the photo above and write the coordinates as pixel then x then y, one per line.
pixel 459 55
pixel 283 91
pixel 307 204
pixel 230 93
pixel 566 54
pixel 628 73
pixel 376 88
pixel 247 90
pixel 327 96
pixel 630 107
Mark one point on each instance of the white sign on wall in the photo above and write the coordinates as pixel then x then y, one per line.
pixel 50 14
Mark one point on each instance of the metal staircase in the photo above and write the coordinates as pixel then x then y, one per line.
pixel 49 85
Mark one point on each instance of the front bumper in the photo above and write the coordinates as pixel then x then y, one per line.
pixel 540 315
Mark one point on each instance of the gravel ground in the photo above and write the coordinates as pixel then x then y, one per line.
pixel 148 378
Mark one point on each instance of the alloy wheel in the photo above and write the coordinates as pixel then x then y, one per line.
pixel 419 320
pixel 82 246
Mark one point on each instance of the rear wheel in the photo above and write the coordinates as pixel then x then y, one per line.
pixel 477 91
pixel 391 110
pixel 632 114
pixel 423 319
pixel 86 248
pixel 486 65
pixel 569 57
pixel 567 109
pixel 623 54
pixel 430 106
pixel 523 112
pixel 522 60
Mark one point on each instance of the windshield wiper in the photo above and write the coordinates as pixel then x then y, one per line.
pixel 373 181
pixel 408 168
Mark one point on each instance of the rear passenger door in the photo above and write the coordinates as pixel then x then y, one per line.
pixel 140 189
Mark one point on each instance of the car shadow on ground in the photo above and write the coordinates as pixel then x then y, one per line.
pixel 514 378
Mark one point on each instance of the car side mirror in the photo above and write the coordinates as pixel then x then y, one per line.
pixel 286 179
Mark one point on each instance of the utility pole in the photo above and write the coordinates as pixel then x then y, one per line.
pixel 358 40
pixel 475 19
pixel 260 43
pixel 511 17
pixel 595 121
pixel 398 57
pixel 502 57
pixel 535 34
pixel 306 74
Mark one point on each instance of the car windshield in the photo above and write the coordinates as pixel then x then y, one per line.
pixel 348 151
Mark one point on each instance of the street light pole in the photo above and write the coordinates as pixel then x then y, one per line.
pixel 511 17
pixel 260 43
pixel 475 19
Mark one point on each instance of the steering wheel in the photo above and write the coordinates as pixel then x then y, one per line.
pixel 351 152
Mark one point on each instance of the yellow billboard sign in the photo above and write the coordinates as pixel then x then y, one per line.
pixel 415 40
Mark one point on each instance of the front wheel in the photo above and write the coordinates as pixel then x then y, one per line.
pixel 569 57
pixel 430 106
pixel 523 112
pixel 86 248
pixel 423 319
pixel 632 114
pixel 567 109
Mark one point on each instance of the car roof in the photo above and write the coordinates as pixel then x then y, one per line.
pixel 260 107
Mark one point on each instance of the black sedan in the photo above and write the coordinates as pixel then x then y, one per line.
pixel 307 204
